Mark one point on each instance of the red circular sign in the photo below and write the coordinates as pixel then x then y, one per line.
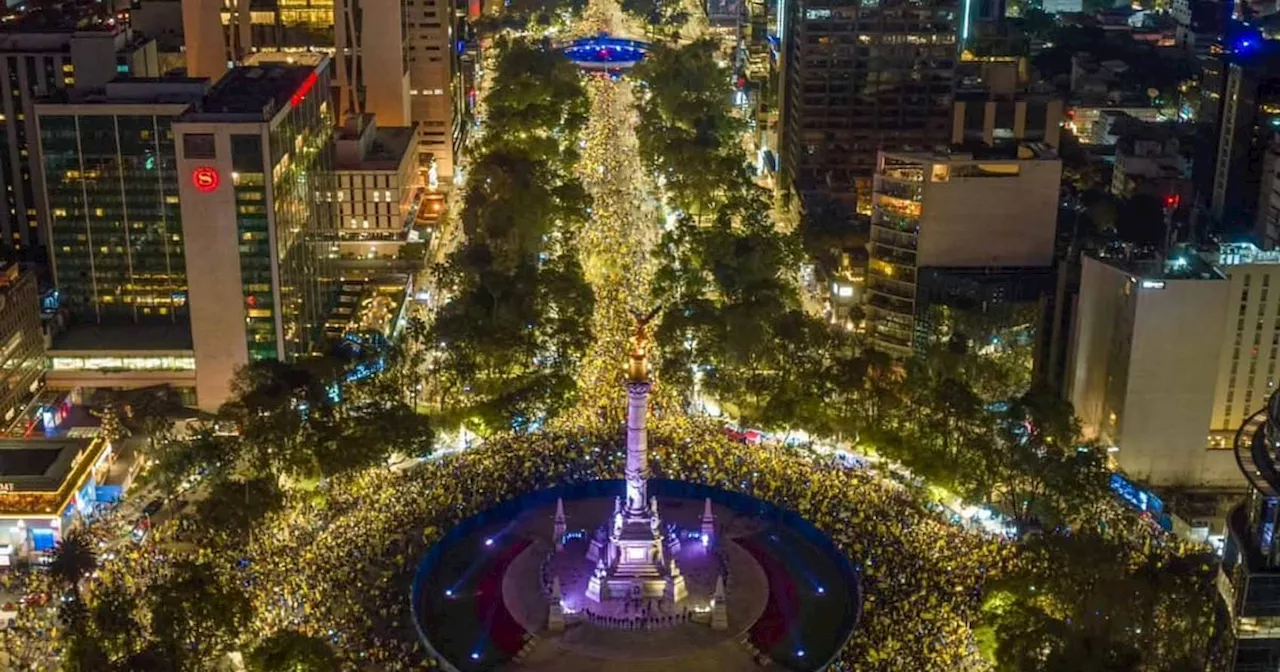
pixel 206 179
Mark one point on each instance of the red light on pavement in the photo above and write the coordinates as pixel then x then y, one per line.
pixel 206 179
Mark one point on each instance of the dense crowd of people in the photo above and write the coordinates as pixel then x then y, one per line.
pixel 340 565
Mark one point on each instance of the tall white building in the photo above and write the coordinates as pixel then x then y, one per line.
pixel 1168 359
pixel 252 162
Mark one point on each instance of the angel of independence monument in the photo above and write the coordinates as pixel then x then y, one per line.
pixel 637 559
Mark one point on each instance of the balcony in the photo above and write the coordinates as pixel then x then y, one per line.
pixel 890 254
pixel 903 277
pixel 892 288
pixel 898 207
pixel 896 224
pixel 903 174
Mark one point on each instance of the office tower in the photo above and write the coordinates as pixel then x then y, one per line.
pixel 251 26
pixel 37 60
pixel 435 83
pixel 253 162
pixel 111 188
pixel 21 340
pixel 995 208
pixel 372 60
pixel 1240 96
pixel 1170 405
pixel 1249 582
pixel 858 79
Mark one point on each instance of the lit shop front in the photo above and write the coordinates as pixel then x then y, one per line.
pixel 47 487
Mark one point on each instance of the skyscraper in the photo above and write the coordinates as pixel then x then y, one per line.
pixel 1127 370
pixel 857 79
pixel 253 163
pixel 372 61
pixel 204 42
pixel 36 60
pixel 111 189
pixel 1240 94
pixel 435 82
pixel 22 351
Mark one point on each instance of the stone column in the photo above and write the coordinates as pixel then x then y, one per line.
pixel 637 472
pixel 561 525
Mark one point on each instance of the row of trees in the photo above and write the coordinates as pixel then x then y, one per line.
pixel 507 345
pixel 733 329
pixel 732 326
pixel 291 425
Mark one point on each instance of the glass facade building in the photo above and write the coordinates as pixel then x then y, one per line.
pixel 36 61
pixel 255 161
pixel 115 226
pixel 1249 580
pixel 21 340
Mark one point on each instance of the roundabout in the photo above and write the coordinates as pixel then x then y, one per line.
pixel 481 596
pixel 661 572
pixel 605 53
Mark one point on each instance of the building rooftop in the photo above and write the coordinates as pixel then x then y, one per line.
pixel 1183 264
pixel 1025 151
pixel 385 150
pixel 170 89
pixel 43 465
pixel 35 19
pixel 106 338
pixel 259 91
pixel 25 37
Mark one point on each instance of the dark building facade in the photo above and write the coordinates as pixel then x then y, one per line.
pixel 858 78
pixel 1239 116
pixel 1249 582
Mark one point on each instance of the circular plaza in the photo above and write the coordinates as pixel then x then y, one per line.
pixel 760 584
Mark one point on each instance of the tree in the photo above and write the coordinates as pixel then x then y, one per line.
pixel 659 16
pixel 75 557
pixel 1092 601
pixel 688 133
pixel 235 507
pixel 505 349
pixel 173 460
pixel 114 617
pixel 292 651
pixel 197 612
